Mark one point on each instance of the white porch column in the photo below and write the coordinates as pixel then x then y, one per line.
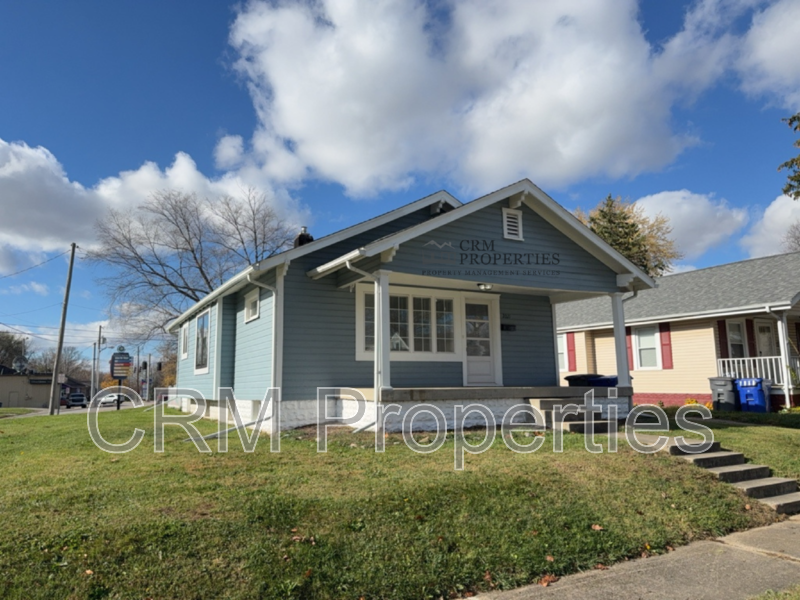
pixel 620 343
pixel 383 377
pixel 783 341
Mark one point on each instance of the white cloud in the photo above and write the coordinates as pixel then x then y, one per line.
pixel 769 62
pixel 766 235
pixel 372 94
pixel 699 222
pixel 44 210
pixel 32 287
pixel 229 151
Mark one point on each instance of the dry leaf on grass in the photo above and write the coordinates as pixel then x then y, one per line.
pixel 547 580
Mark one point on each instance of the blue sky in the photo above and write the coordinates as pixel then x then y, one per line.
pixel 347 109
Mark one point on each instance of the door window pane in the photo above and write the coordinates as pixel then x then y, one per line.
pixel 422 325
pixel 479 348
pixel 445 331
pixel 646 343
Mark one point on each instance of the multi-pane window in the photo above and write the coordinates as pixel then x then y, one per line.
pixel 416 324
pixel 445 326
pixel 422 325
pixel 647 347
pixel 201 342
pixel 562 352
pixel 736 342
pixel 398 323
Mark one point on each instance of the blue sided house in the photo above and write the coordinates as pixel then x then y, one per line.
pixel 436 302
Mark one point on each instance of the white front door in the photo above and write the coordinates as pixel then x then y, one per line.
pixel 766 343
pixel 480 349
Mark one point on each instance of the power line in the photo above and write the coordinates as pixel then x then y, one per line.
pixel 25 312
pixel 34 266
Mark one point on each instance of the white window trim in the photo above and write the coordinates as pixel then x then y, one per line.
pixel 184 341
pixel 562 336
pixel 256 293
pixel 204 370
pixel 635 341
pixel 506 234
pixel 744 336
pixel 415 356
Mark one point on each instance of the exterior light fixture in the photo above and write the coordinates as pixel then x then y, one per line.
pixel 485 287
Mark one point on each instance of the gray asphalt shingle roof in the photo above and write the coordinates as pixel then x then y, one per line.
pixel 772 280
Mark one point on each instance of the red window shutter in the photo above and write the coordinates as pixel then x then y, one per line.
pixel 722 329
pixel 666 345
pixel 571 352
pixel 751 337
pixel 629 344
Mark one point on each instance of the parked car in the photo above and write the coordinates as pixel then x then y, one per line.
pixel 77 399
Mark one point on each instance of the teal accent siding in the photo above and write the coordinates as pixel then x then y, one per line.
pixel 577 269
pixel 187 378
pixel 253 345
pixel 528 352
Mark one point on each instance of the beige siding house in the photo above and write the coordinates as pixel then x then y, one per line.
pixel 741 320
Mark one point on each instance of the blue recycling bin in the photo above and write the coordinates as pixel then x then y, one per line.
pixel 752 395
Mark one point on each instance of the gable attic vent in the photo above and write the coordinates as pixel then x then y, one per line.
pixel 512 224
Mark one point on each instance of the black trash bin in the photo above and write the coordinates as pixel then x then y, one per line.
pixel 581 380
pixel 724 394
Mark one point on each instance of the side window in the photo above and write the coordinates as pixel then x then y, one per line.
pixel 185 341
pixel 647 350
pixel 201 343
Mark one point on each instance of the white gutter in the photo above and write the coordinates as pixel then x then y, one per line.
pixel 335 264
pixel 220 291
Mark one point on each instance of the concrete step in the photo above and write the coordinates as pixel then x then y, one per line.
pixel 675 450
pixel 786 504
pixel 715 459
pixel 545 404
pixel 737 473
pixel 580 426
pixel 767 487
pixel 548 417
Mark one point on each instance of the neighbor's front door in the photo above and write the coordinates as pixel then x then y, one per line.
pixel 766 343
pixel 480 360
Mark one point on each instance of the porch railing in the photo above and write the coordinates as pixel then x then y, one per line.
pixel 766 367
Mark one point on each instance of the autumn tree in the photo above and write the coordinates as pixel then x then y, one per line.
pixel 792 187
pixel 12 346
pixel 175 248
pixel 644 241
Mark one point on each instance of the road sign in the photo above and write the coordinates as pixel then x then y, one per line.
pixel 120 365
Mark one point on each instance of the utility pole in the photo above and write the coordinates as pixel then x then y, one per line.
pixel 100 343
pixel 55 398
pixel 94 364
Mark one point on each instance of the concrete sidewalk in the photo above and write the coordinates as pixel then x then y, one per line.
pixel 735 567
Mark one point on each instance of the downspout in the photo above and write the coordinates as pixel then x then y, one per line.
pixel 378 354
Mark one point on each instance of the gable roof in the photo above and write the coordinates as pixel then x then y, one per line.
pixel 739 287
pixel 537 201
pixel 240 280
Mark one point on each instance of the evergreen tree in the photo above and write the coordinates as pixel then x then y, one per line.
pixel 792 187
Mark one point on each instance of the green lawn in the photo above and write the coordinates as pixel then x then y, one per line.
pixel 80 523
pixel 13 412
pixel 791 420
pixel 792 594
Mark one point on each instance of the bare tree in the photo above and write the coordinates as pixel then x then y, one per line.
pixel 73 364
pixel 791 240
pixel 176 248
pixel 13 346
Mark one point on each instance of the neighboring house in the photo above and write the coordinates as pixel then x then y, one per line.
pixel 435 301
pixel 741 320
pixel 31 390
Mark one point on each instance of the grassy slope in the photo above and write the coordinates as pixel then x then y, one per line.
pixel 348 523
pixel 12 412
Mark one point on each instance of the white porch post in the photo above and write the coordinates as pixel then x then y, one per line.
pixel 783 340
pixel 620 343
pixel 383 377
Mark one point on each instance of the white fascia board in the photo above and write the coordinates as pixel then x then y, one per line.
pixel 546 207
pixel 731 312
pixel 335 264
pixel 285 257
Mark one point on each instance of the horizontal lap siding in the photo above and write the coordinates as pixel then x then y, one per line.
pixel 577 268
pixel 528 352
pixel 186 376
pixel 319 327
pixel 253 373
